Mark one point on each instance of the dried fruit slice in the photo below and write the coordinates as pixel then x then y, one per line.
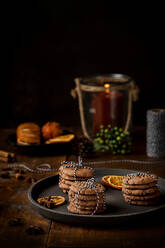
pixel 51 201
pixel 113 181
pixel 61 139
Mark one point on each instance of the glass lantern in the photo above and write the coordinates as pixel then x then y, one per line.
pixel 105 100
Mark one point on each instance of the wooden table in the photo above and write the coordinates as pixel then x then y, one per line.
pixel 14 204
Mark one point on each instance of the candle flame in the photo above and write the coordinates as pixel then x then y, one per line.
pixel 107 88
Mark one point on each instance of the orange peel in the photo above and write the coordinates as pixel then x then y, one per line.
pixel 113 181
pixel 61 139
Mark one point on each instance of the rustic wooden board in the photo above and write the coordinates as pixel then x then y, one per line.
pixel 63 235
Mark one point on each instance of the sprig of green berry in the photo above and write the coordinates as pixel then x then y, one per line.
pixel 114 139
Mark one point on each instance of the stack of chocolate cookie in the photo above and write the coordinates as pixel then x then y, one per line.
pixel 86 198
pixel 71 172
pixel 140 189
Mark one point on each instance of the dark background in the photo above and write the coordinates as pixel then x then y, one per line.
pixel 46 44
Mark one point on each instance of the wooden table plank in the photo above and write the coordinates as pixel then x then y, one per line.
pixel 63 235
pixel 14 202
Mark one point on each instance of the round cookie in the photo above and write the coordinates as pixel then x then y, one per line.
pixel 142 203
pixel 84 197
pixel 70 178
pixel 87 207
pixel 67 182
pixel 87 203
pixel 140 192
pixel 139 178
pixel 75 210
pixel 85 172
pixel 81 188
pixel 142 198
pixel 139 186
pixel 64 186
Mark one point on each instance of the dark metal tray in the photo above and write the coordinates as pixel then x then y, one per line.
pixel 118 211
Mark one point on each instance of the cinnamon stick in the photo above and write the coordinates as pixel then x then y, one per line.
pixel 7 156
pixel 3 159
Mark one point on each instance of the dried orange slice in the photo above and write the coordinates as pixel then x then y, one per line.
pixel 61 139
pixel 113 181
pixel 51 201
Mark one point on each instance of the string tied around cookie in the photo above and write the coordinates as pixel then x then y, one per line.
pixel 75 166
pixel 90 182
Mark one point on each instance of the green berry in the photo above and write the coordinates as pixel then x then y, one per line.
pixel 116 133
pixel 109 126
pixel 106 130
pixel 118 138
pixel 101 141
pixel 127 133
pixel 120 130
pixel 115 128
pixel 101 126
pixel 122 151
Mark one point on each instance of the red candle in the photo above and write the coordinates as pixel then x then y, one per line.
pixel 107 109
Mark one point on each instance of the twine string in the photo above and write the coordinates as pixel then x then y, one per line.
pixel 41 167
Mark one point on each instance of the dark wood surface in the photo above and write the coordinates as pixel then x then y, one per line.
pixel 14 204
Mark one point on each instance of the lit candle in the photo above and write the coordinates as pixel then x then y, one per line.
pixel 107 108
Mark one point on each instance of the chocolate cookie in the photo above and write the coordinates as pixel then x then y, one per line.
pixel 84 197
pixel 140 192
pixel 142 203
pixel 71 172
pixel 76 210
pixel 100 207
pixel 139 186
pixel 139 178
pixel 67 182
pixel 87 203
pixel 66 177
pixel 83 190
pixel 65 188
pixel 142 198
pixel 85 172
